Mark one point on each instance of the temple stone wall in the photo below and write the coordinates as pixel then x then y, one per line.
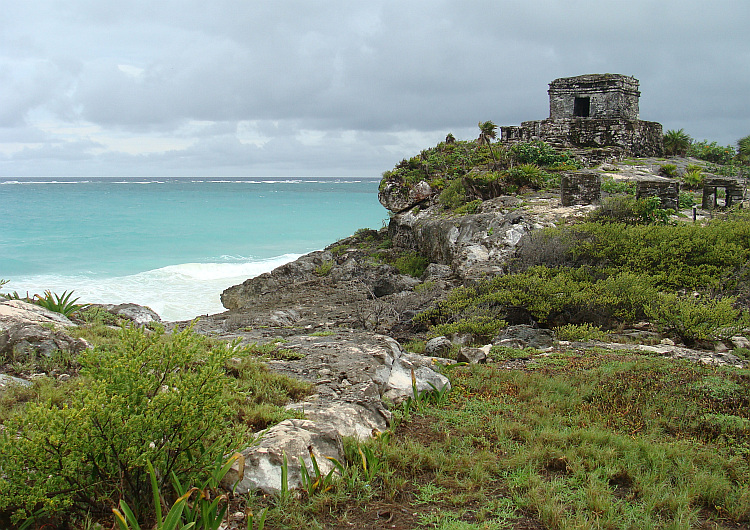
pixel 635 137
pixel 593 111
pixel 734 192
pixel 594 96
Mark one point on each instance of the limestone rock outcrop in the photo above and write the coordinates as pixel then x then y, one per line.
pixel 29 329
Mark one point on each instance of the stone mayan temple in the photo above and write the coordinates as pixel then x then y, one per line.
pixel 593 111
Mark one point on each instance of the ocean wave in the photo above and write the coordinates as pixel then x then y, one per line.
pixel 175 292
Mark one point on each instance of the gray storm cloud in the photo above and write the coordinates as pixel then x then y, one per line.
pixel 338 88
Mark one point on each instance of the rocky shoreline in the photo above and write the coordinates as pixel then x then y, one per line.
pixel 344 316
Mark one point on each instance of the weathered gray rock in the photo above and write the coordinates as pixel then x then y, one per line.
pixel 22 312
pixel 437 271
pixel 738 341
pixel 524 336
pixel 438 346
pixel 294 438
pixel 410 369
pixel 28 329
pixel 471 355
pixel 398 197
pixel 138 314
pixel 8 380
pixel 359 420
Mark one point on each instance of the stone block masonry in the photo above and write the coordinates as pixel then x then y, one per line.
pixel 580 188
pixel 591 112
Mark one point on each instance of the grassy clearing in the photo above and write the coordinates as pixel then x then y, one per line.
pixel 575 440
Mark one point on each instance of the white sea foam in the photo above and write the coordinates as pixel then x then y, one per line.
pixel 175 292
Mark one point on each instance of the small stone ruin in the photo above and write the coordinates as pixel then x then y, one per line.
pixel 580 188
pixel 593 111
pixel 667 190
pixel 734 192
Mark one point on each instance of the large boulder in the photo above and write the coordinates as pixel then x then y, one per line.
pixel 138 314
pixel 296 440
pixel 399 197
pixel 29 329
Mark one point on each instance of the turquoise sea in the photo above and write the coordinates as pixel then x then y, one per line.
pixel 173 244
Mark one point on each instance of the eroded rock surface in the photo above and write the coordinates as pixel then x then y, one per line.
pixel 29 329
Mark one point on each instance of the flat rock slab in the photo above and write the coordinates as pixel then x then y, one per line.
pixel 20 312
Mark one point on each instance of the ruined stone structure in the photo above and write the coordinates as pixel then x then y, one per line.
pixel 580 187
pixel 734 192
pixel 593 111
pixel 667 190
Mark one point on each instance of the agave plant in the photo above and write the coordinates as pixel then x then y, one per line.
pixel 58 303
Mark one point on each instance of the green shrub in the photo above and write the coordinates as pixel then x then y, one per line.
pixel 743 150
pixel 412 264
pixel 527 175
pixel 324 269
pixel 687 200
pixel 482 328
pixel 711 152
pixel 541 154
pixel 693 176
pixel 453 196
pixel 150 397
pixel 468 208
pixel 579 332
pixel 668 170
pixel 59 303
pixel 676 142
pixel 546 295
pixel 612 186
pixel 628 209
pixel 694 319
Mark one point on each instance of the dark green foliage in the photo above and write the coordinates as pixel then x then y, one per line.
pixel 676 143
pixel 743 150
pixel 541 154
pixel 469 207
pixel 694 320
pixel 668 170
pixel 687 199
pixel 711 152
pixel 628 209
pixel 466 171
pixel 412 264
pixel 453 196
pixel 527 175
pixel 605 274
pixel 612 186
pixel 148 397
pixel 693 177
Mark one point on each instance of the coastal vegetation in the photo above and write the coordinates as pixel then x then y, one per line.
pixel 149 421
pixel 465 172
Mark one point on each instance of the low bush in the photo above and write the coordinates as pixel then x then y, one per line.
pixel 612 186
pixel 151 397
pixel 694 320
pixel 693 177
pixel 412 264
pixel 711 152
pixel 541 154
pixel 628 209
pixel 579 332
pixel 668 170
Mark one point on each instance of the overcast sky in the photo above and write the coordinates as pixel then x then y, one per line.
pixel 337 88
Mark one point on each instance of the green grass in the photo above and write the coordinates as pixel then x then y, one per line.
pixel 590 439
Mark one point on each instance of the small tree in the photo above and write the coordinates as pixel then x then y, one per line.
pixel 487 134
pixel 743 150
